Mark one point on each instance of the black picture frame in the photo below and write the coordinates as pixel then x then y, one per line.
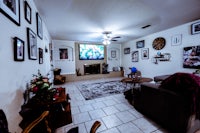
pixel 140 44
pixel 39 26
pixel 195 28
pixel 145 53
pixel 11 9
pixel 18 49
pixel 63 53
pixel 27 12
pixel 40 55
pixel 32 44
pixel 126 50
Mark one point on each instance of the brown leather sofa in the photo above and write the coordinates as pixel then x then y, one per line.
pixel 169 106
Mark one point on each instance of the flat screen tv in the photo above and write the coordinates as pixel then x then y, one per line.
pixel 191 57
pixel 91 52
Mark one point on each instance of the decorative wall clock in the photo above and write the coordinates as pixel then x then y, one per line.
pixel 159 43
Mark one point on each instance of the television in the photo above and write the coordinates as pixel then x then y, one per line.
pixel 191 57
pixel 91 52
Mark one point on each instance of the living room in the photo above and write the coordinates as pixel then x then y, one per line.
pixel 15 75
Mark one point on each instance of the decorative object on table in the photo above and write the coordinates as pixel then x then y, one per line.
pixel 176 40
pixel 145 53
pixel 18 49
pixel 140 44
pixel 11 9
pixel 101 89
pixel 126 50
pixel 32 44
pixel 40 55
pixel 39 26
pixel 135 56
pixel 195 28
pixel 27 12
pixel 159 43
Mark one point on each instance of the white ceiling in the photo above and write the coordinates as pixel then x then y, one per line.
pixel 85 20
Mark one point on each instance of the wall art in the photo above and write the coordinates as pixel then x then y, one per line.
pixel 145 53
pixel 176 40
pixel 27 12
pixel 39 26
pixel 135 56
pixel 140 44
pixel 18 49
pixel 11 9
pixel 32 44
pixel 195 28
pixel 40 55
pixel 126 50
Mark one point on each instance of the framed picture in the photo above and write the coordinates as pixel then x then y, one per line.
pixel 135 56
pixel 27 12
pixel 40 55
pixel 39 26
pixel 140 44
pixel 176 40
pixel 11 9
pixel 63 53
pixel 126 50
pixel 145 53
pixel 18 49
pixel 113 54
pixel 195 29
pixel 32 44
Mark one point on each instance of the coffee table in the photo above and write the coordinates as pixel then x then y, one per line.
pixel 135 81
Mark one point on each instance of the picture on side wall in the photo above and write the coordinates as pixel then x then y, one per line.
pixel 145 53
pixel 126 50
pixel 32 44
pixel 40 55
pixel 63 53
pixel 140 44
pixel 113 53
pixel 195 29
pixel 39 26
pixel 27 11
pixel 11 10
pixel 135 56
pixel 18 49
pixel 191 57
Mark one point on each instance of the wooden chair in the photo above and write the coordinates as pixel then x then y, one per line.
pixel 37 121
pixel 95 126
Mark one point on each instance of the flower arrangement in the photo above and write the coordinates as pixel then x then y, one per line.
pixel 39 84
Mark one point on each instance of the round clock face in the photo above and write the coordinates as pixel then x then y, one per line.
pixel 158 43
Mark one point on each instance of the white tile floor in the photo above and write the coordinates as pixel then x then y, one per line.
pixel 114 112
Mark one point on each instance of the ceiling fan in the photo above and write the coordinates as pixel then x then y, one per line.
pixel 107 38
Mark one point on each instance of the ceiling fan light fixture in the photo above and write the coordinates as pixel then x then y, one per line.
pixel 106 42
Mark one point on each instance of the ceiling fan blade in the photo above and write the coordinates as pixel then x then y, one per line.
pixel 114 40
pixel 116 37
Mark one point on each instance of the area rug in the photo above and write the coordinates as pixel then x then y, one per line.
pixel 101 89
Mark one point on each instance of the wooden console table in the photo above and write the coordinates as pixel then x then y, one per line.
pixel 59 112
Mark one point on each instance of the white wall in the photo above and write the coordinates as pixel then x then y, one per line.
pixel 113 60
pixel 14 75
pixel 67 65
pixel 150 69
